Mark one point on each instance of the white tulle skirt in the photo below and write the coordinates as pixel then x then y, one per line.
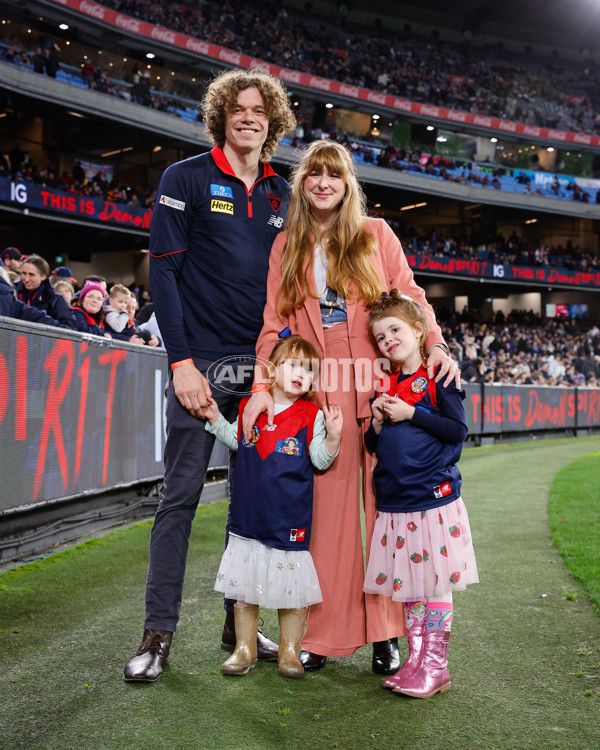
pixel 272 578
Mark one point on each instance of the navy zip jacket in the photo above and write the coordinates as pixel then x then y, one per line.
pixel 416 460
pixel 210 240
pixel 51 302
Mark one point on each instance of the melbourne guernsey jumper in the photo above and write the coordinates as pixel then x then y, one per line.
pixel 416 460
pixel 273 492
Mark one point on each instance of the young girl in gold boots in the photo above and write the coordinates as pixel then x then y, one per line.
pixel 267 562
pixel 421 548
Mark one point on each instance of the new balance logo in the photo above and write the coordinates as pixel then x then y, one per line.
pixel 276 221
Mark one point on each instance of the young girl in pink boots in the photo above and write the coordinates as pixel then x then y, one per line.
pixel 421 548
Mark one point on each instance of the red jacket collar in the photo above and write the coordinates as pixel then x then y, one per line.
pixel 225 166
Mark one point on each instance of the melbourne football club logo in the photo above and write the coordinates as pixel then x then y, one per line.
pixel 419 385
pixel 275 201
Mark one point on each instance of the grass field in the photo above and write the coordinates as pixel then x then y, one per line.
pixel 525 669
pixel 574 512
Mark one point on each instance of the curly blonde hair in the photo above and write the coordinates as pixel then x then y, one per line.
pixel 221 97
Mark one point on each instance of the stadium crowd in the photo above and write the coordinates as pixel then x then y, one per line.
pixel 95 77
pixel 413 160
pixel 459 171
pixel 22 168
pixel 514 250
pixel 524 349
pixel 30 291
pixel 483 81
pixel 520 349
pixel 486 81
pixel 221 23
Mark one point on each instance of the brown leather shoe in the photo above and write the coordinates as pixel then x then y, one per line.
pixel 266 650
pixel 147 664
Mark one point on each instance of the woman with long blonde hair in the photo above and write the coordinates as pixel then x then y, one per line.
pixel 329 264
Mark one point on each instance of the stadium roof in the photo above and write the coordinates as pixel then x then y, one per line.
pixel 555 23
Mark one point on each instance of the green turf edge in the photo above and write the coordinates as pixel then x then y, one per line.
pixel 53 557
pixel 57 555
pixel 574 516
pixel 519 682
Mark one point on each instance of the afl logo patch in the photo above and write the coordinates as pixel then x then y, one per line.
pixel 254 438
pixel 419 385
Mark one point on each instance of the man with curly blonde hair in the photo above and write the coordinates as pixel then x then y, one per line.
pixel 221 100
pixel 213 224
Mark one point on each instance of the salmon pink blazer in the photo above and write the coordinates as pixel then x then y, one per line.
pixel 393 270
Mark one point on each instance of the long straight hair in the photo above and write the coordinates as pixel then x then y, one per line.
pixel 348 247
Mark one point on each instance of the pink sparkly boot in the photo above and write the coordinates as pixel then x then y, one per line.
pixel 432 674
pixel 415 653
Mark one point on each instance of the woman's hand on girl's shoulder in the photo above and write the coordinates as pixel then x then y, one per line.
pixel 445 366
pixel 257 403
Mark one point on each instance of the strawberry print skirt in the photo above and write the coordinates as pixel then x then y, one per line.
pixel 422 554
pixel 272 578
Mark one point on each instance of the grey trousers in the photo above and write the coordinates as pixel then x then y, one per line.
pixel 187 453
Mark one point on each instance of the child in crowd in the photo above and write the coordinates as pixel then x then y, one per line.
pixel 421 547
pixel 116 317
pixel 139 336
pixel 65 289
pixel 89 309
pixel 267 561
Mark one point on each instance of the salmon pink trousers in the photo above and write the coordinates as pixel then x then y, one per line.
pixel 347 618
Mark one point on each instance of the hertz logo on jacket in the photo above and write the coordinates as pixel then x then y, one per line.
pixel 223 207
